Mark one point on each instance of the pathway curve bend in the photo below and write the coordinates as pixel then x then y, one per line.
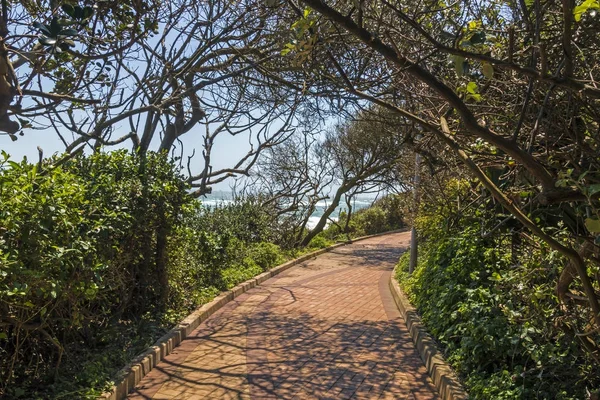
pixel 325 329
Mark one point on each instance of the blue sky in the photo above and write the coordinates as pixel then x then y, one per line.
pixel 226 152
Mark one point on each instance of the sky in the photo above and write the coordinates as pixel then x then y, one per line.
pixel 227 151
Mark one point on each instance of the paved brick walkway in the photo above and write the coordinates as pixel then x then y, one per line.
pixel 325 329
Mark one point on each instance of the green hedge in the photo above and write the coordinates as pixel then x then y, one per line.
pixel 99 257
pixel 499 322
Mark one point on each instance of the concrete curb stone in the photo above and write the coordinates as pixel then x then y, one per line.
pixel 441 374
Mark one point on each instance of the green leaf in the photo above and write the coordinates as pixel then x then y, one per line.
pixel 46 41
pixel 488 70
pixel 55 27
pixel 473 25
pixel 69 10
pixel 3 335
pixel 593 189
pixel 478 38
pixel 66 22
pixel 68 32
pixel 45 29
pixel 472 88
pixel 584 7
pixel 65 44
pixel 458 65
pixel 87 12
pixel 78 13
pixel 592 225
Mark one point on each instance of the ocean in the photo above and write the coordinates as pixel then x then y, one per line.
pixel 224 197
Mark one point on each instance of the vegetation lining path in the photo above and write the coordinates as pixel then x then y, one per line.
pixel 327 328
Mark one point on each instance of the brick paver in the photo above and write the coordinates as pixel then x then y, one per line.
pixel 325 329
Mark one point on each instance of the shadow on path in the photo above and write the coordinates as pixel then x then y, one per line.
pixel 327 329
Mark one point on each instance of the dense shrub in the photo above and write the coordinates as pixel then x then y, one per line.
pixel 496 315
pixel 265 255
pixel 81 245
pixel 323 240
pixel 246 220
pixel 99 256
pixel 255 259
pixel 385 214
pixel 369 221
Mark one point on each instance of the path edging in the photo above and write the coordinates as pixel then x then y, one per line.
pixel 140 366
pixel 443 377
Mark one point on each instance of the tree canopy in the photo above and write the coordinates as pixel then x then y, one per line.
pixel 100 74
pixel 509 88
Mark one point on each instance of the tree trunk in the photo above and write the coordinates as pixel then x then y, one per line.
pixel 323 221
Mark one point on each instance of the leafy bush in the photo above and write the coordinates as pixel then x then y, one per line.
pixel 386 214
pixel 258 258
pixel 246 220
pixel 81 245
pixel 99 256
pixel 370 221
pixel 497 317
pixel 265 255
pixel 320 241
pixel 238 273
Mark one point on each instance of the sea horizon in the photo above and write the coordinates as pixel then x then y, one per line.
pixel 220 197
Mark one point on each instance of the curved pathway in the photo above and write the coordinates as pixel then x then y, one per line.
pixel 325 329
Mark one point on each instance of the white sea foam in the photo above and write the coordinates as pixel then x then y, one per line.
pixel 222 198
pixel 313 221
pixel 215 202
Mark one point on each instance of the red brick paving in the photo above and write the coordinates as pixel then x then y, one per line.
pixel 325 329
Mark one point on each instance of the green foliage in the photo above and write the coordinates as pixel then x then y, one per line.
pixel 241 272
pixel 369 221
pixel 255 259
pixel 384 215
pixel 320 241
pixel 584 7
pixel 301 42
pixel 497 317
pixel 246 220
pixel 79 246
pixel 100 256
pixel 265 255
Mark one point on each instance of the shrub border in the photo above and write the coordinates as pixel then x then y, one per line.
pixel 128 377
pixel 443 377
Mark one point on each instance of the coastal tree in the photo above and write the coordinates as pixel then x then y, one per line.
pixel 363 152
pixel 56 56
pixel 146 75
pixel 509 87
pixel 293 178
pixel 358 156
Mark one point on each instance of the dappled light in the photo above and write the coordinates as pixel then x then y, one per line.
pixel 325 329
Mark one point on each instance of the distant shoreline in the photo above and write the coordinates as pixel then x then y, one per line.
pixel 221 197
